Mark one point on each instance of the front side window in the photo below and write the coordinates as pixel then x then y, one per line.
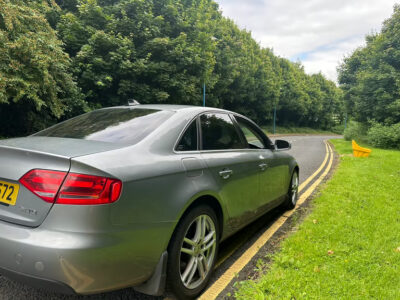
pixel 114 125
pixel 219 133
pixel 253 138
pixel 188 141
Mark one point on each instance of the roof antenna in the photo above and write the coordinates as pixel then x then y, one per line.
pixel 133 102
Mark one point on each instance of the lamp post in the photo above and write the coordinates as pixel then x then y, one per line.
pixel 204 93
pixel 275 104
pixel 274 118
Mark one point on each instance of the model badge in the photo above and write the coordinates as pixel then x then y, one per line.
pixel 29 211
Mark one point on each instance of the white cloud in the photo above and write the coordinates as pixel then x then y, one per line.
pixel 326 60
pixel 316 32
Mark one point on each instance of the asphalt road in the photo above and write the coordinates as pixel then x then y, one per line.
pixel 309 152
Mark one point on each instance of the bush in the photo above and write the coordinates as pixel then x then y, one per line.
pixel 356 131
pixel 338 129
pixel 384 136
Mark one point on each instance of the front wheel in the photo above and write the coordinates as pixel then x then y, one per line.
pixel 293 191
pixel 192 252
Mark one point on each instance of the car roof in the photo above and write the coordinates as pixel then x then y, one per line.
pixel 172 107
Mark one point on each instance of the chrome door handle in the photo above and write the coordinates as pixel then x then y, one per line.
pixel 226 173
pixel 263 166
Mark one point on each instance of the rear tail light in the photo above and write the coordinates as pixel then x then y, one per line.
pixel 88 189
pixel 43 183
pixel 72 188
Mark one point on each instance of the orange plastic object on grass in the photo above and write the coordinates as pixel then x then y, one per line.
pixel 360 151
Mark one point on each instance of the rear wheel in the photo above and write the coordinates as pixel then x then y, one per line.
pixel 192 252
pixel 293 191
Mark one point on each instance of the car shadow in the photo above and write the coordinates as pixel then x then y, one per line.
pixel 229 251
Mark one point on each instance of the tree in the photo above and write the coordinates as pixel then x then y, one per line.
pixel 370 76
pixel 154 51
pixel 36 86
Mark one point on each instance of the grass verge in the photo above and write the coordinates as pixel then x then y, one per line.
pixel 349 246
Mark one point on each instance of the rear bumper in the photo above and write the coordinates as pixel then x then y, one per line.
pixel 82 263
pixel 38 282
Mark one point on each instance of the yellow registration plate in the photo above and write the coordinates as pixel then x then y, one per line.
pixel 8 192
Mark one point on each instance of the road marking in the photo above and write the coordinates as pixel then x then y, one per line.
pixel 308 180
pixel 233 250
pixel 311 189
pixel 217 287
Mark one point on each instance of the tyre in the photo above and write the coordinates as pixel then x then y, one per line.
pixel 192 252
pixel 293 192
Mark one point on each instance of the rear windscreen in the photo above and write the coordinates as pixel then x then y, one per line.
pixel 114 125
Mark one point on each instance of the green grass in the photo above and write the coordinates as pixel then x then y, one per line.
pixel 349 246
pixel 296 130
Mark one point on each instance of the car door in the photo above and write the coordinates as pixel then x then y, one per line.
pixel 272 168
pixel 234 169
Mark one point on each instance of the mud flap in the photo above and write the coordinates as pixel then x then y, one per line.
pixel 155 286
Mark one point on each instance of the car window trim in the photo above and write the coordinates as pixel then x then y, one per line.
pixel 199 133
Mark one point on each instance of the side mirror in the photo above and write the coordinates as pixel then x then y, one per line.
pixel 282 145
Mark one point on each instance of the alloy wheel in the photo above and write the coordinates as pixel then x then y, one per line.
pixel 294 187
pixel 198 251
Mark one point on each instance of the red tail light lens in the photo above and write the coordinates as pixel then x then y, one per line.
pixel 82 189
pixel 78 189
pixel 43 183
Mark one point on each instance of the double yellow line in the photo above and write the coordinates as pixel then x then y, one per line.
pixel 218 286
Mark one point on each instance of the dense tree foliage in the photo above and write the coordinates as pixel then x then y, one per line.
pixel 36 87
pixel 308 100
pixel 370 79
pixel 163 52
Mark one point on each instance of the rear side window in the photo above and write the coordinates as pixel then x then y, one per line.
pixel 219 133
pixel 114 125
pixel 188 141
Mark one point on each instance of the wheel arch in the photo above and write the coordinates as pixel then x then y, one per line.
pixel 214 204
pixel 203 199
pixel 296 169
pixel 293 166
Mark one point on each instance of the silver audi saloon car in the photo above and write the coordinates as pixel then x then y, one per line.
pixel 135 196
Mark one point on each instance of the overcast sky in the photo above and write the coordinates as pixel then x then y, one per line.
pixel 319 33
